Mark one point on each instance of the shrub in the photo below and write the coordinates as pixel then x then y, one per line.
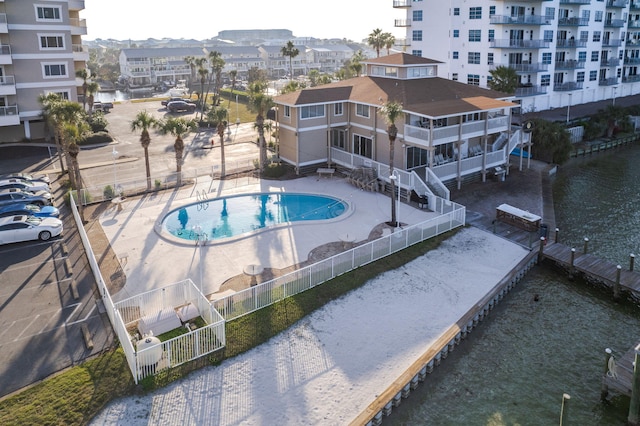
pixel 97 122
pixel 274 170
pixel 67 195
pixel 158 184
pixel 108 192
pixel 98 138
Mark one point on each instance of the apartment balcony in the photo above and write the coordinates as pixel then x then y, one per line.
pixel 611 62
pixel 571 44
pixel 78 26
pixel 76 5
pixel 7 85
pixel 575 1
pixel 80 52
pixel 9 116
pixel 617 4
pixel 520 20
pixel 526 68
pixel 614 23
pixel 520 44
pixel 612 81
pixel 631 79
pixel 4 28
pixel 5 54
pixel 633 24
pixel 402 42
pixel 530 90
pixel 402 4
pixel 569 65
pixel 634 5
pixel 573 22
pixel 631 61
pixel 567 86
pixel 447 134
pixel 398 23
pixel 612 42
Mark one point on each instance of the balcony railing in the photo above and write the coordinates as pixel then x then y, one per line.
pixel 535 67
pixel 620 4
pixel 612 42
pixel 402 23
pixel 631 78
pixel 80 48
pixel 8 110
pixel 573 22
pixel 401 3
pixel 520 44
pixel 612 81
pixel 631 61
pixel 7 80
pixel 614 23
pixel 571 44
pixel 634 24
pixel 634 5
pixel 533 90
pixel 441 135
pixel 520 20
pixel 612 62
pixel 5 49
pixel 402 42
pixel 569 65
pixel 575 1
pixel 567 86
pixel 76 22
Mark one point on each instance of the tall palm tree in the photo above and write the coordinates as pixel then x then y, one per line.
pixel 191 62
pixel 234 76
pixel 178 128
pixel 92 89
pixel 259 103
pixel 389 41
pixel 143 122
pixel 203 73
pixel 221 115
pixel 504 79
pixel 291 51
pixel 74 133
pixel 217 64
pixel 356 62
pixel 376 40
pixel 391 111
pixel 84 75
pixel 49 106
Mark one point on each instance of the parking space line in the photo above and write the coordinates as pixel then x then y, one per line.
pixel 6 329
pixel 39 287
pixel 29 265
pixel 86 317
pixel 26 328
pixel 78 305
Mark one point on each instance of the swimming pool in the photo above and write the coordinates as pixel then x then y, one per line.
pixel 232 216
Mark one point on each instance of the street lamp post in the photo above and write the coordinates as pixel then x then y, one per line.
pixel 395 177
pixel 237 111
pixel 114 153
pixel 569 107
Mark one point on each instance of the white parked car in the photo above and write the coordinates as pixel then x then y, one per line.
pixel 14 229
pixel 25 176
pixel 25 185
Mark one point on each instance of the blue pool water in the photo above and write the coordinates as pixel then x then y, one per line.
pixel 231 216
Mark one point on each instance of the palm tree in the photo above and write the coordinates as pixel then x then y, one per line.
pixel 191 61
pixel 376 40
pixel 92 89
pixel 504 79
pixel 259 103
pixel 234 75
pixel 178 128
pixel 217 64
pixel 49 105
pixel 392 111
pixel 389 41
pixel 144 121
pixel 221 115
pixel 84 75
pixel 290 50
pixel 74 133
pixel 356 62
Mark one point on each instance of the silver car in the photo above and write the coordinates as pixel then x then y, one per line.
pixel 25 185
pixel 14 195
pixel 25 176
pixel 14 229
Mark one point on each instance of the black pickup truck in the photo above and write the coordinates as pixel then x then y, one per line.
pixel 102 106
pixel 165 102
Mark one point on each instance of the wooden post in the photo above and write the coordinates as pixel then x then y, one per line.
pixel 632 260
pixel 573 257
pixel 604 391
pixel 586 245
pixel 616 286
pixel 634 407
pixel 557 234
pixel 541 251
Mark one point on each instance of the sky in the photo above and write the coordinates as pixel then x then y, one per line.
pixel 203 19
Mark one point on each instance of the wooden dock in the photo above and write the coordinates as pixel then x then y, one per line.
pixel 593 268
pixel 622 380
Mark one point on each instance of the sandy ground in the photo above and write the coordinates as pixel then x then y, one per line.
pixel 330 366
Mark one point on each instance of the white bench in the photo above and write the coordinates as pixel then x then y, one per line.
pixel 323 171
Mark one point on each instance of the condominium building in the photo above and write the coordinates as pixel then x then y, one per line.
pixel 40 51
pixel 565 52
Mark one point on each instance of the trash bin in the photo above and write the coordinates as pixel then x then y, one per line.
pixel 544 231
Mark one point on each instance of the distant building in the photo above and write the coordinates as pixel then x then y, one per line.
pixel 40 51
pixel 145 68
pixel 255 37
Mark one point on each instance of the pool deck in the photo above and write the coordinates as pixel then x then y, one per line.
pixel 151 261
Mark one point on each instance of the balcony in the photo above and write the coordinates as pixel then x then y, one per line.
pixel 612 81
pixel 571 44
pixel 631 79
pixel 520 44
pixel 5 54
pixel 631 61
pixel 526 68
pixel 611 62
pixel 402 23
pixel 530 90
pixel 635 5
pixel 575 1
pixel 617 4
pixel 569 65
pixel 80 52
pixel 9 116
pixel 634 24
pixel 573 22
pixel 614 23
pixel 612 42
pixel 76 5
pixel 78 26
pixel 402 42
pixel 567 86
pixel 520 20
pixel 401 4
pixel 7 85
pixel 4 28
pixel 447 134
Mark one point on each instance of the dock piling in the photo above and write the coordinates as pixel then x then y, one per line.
pixel 586 245
pixel 632 260
pixel 616 286
pixel 541 251
pixel 557 234
pixel 634 406
pixel 604 391
pixel 573 258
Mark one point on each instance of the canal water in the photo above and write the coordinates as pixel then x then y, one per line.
pixel 515 367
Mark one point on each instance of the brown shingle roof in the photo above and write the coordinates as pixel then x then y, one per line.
pixel 401 59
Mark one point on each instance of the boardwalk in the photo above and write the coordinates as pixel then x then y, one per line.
pixel 593 268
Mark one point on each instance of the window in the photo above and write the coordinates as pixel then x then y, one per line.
pixel 337 109
pixel 492 10
pixel 474 35
pixel 546 58
pixel 594 56
pixel 338 138
pixel 454 76
pixel 489 79
pixel 596 36
pixel 548 35
pixel 473 79
pixel 490 58
pixel 584 36
pixel 582 56
pixel 362 146
pixel 48 13
pixel 313 111
pixel 63 95
pixel 545 80
pixel 580 77
pixel 456 33
pixel 492 35
pixel 474 57
pixel 362 110
pixel 416 53
pixel 52 42
pixel 54 70
pixel 456 11
pixel 593 75
pixel 420 72
pixel 598 17
pixel 287 111
pixel 416 35
pixel 417 15
pixel 475 13
pixel 549 13
pixel 455 54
